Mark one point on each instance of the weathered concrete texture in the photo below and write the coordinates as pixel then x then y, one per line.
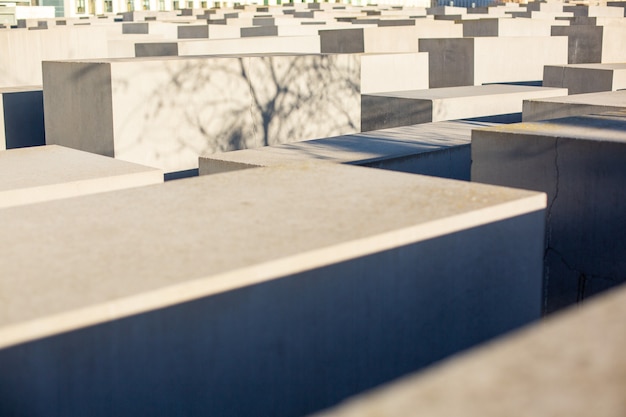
pixel 570 365
pixel 194 294
pixel 594 44
pixel 579 163
pixel 21 117
pixel 586 78
pixel 475 61
pixel 165 112
pixel 403 108
pixel 44 173
pixel 574 105
pixel 438 149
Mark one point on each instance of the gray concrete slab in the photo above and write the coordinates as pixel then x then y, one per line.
pixel 579 163
pixel 45 173
pixel 574 105
pixel 403 108
pixel 244 284
pixel 165 112
pixel 568 365
pixel 586 78
pixel 439 149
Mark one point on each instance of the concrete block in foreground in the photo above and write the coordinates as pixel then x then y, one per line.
pixel 574 105
pixel 166 112
pixel 439 149
pixel 403 108
pixel 586 78
pixel 570 365
pixel 44 173
pixel 21 117
pixel 259 285
pixel 579 163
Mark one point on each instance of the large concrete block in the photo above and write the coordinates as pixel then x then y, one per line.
pixel 44 173
pixel 594 44
pixel 165 112
pixel 439 149
pixel 579 163
pixel 21 117
pixel 586 78
pixel 476 61
pixel 575 105
pixel 571 365
pixel 403 108
pixel 259 285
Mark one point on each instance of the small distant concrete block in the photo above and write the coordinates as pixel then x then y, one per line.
pixel 572 362
pixel 579 163
pixel 245 284
pixel 574 105
pixel 193 32
pixel 586 78
pixel 259 31
pixel 385 39
pixel 154 49
pixel 45 173
pixel 132 110
pixel 438 149
pixel 475 61
pixel 21 117
pixel 403 108
pixel 508 27
pixel 135 28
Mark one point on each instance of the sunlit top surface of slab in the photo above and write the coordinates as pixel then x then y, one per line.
pixel 81 261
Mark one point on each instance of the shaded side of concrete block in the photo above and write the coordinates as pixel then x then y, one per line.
pixel 578 162
pixel 22 119
pixel 379 112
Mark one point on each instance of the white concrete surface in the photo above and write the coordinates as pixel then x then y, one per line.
pixel 45 173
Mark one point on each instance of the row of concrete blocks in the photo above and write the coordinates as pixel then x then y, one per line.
pixel 149 318
pixel 578 43
pixel 108 108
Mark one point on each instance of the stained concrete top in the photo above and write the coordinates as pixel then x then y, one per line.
pixel 607 66
pixel 570 365
pixel 42 173
pixel 361 147
pixel 610 127
pixel 111 255
pixel 20 89
pixel 469 91
pixel 604 98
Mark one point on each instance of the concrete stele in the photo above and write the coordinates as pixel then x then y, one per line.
pixel 403 108
pixel 578 162
pixel 228 267
pixel 574 105
pixel 439 149
pixel 586 78
pixel 44 173
pixel 166 112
